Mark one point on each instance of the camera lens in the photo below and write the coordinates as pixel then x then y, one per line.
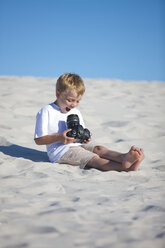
pixel 72 121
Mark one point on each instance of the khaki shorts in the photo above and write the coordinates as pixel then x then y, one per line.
pixel 78 155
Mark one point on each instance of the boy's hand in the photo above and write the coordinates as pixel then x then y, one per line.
pixel 65 139
pixel 87 141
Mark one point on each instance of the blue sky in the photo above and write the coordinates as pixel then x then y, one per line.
pixel 121 39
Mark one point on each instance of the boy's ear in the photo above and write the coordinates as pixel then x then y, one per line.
pixel 57 93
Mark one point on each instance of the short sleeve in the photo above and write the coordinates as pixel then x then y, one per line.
pixel 41 128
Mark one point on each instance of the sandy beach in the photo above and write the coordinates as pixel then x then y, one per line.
pixel 45 205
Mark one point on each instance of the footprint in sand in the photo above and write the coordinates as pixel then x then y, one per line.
pixel 116 123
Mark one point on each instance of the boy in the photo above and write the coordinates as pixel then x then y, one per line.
pixel 51 130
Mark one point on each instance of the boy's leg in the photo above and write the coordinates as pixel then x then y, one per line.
pixel 111 160
pixel 105 153
pixel 104 164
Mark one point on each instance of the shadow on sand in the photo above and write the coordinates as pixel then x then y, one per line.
pixel 24 152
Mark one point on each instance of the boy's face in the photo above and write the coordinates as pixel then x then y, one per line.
pixel 67 100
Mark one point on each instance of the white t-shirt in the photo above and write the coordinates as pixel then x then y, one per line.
pixel 50 120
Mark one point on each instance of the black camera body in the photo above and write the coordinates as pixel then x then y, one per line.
pixel 78 132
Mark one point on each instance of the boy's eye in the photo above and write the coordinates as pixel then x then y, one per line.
pixel 72 100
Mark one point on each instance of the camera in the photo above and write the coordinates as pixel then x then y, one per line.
pixel 78 132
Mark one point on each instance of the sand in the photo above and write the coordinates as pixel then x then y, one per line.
pixel 44 205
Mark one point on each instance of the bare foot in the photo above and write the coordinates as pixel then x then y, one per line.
pixel 135 166
pixel 131 157
pixel 137 149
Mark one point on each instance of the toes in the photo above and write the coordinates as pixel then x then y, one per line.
pixel 142 151
pixel 133 148
pixel 138 150
pixel 141 155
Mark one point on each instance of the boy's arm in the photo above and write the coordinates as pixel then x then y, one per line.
pixel 52 138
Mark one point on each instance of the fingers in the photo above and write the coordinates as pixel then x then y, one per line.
pixel 71 139
pixel 66 131
pixel 86 141
pixel 67 139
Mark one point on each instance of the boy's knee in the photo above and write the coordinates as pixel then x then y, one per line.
pixel 92 162
pixel 99 150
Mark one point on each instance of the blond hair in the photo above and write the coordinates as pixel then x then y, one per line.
pixel 70 81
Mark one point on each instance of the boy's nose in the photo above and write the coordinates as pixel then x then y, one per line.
pixel 73 105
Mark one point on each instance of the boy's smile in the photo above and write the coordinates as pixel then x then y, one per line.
pixel 67 100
